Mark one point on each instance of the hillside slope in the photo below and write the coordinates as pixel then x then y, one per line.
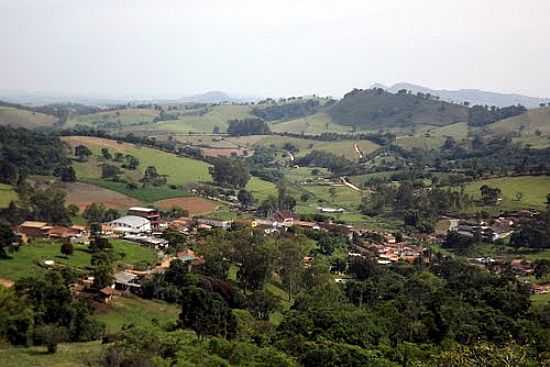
pixel 376 108
pixel 474 96
pixel 22 118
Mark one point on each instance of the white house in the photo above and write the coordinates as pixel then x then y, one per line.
pixel 131 224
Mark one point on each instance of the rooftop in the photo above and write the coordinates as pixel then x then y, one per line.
pixel 140 209
pixel 34 224
pixel 131 220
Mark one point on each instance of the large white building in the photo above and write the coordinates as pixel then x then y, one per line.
pixel 131 224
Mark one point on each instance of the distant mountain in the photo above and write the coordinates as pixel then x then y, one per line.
pixel 212 97
pixel 474 96
pixel 379 109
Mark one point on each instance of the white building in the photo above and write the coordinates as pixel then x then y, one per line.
pixel 131 224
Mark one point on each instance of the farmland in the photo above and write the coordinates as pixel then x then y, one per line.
pixel 179 170
pixel 195 205
pixel 82 195
pixel 23 118
pixel 6 195
pixel 70 354
pixel 314 125
pixel 120 118
pixel 534 190
pixel 136 311
pixel 28 259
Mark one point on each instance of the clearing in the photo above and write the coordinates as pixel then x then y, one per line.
pixel 23 118
pixel 27 261
pixel 533 188
pixel 195 205
pixel 6 195
pixel 82 195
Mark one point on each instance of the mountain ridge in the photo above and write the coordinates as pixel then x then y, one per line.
pixel 474 96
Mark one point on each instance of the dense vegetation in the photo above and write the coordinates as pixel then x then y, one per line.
pixel 247 127
pixel 288 110
pixel 376 108
pixel 484 115
pixel 26 152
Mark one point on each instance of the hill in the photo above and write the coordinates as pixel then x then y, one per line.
pixel 474 96
pixel 15 117
pixel 210 97
pixel 376 109
pixel 526 124
pixel 179 171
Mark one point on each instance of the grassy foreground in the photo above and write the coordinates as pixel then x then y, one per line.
pixel 26 262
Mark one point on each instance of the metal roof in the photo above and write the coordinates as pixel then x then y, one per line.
pixel 130 220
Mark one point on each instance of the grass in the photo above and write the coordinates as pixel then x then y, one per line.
pixel 261 189
pixel 26 261
pixel 124 116
pixel 534 189
pixel 538 300
pixel 137 311
pixel 434 137
pixel 6 195
pixel 22 118
pixel 217 116
pixel 341 148
pixel 68 355
pixel 179 170
pixel 313 125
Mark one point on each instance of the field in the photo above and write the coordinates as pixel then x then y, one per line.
pixel 261 189
pixel 6 195
pixel 136 311
pixel 526 123
pixel 22 118
pixel 217 116
pixel 25 262
pixel 341 148
pixel 432 138
pixel 179 170
pixel 68 355
pixel 82 195
pixel 314 125
pixel 534 190
pixel 125 117
pixel 195 205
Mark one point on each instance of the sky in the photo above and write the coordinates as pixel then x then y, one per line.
pixel 169 49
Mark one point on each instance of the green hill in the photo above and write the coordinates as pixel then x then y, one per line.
pixel 531 127
pixel 16 117
pixel 376 109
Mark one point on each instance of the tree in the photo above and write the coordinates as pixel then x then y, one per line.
pixel 306 196
pixel 7 239
pixel 73 210
pixel 50 336
pixel 332 192
pixel 489 195
pixel 109 171
pixel 16 318
pixel 106 154
pixel 542 268
pixel 261 304
pixel 230 172
pixel 290 262
pixel 245 198
pixel 206 313
pixel 103 275
pixel 519 195
pixel 94 213
pixel 8 172
pixel 67 249
pixel 82 152
pixel 49 206
pixel 216 130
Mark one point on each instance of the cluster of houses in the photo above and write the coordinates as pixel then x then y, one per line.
pixel 385 248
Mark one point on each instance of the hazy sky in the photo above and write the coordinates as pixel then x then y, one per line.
pixel 272 48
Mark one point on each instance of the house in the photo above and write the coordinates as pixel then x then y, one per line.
pixel 106 295
pixel 331 210
pixel 32 229
pixel 152 215
pixel 285 217
pixel 181 225
pixel 131 224
pixel 124 280
pixel 223 224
